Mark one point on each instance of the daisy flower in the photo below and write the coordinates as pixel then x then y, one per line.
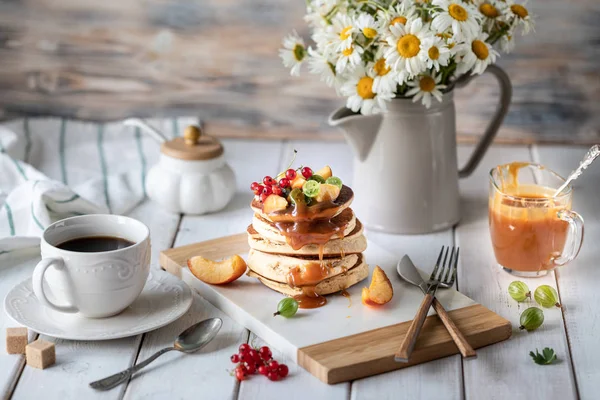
pixel 399 14
pixel 475 54
pixel 367 26
pixel 436 53
pixel 461 17
pixel 424 88
pixel 317 12
pixel 507 42
pixel 320 64
pixel 341 32
pixel 384 79
pixel 521 16
pixel 490 10
pixel 349 57
pixel 293 53
pixel 359 90
pixel 404 50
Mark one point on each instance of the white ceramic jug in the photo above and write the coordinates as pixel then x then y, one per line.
pixel 405 171
pixel 192 176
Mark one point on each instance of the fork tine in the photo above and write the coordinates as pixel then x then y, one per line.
pixel 441 274
pixel 454 268
pixel 437 264
pixel 445 280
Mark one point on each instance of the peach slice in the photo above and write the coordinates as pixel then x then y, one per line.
pixel 327 192
pixel 324 172
pixel 217 273
pixel 298 182
pixel 380 290
pixel 274 203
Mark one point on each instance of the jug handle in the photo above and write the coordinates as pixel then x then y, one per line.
pixel 494 125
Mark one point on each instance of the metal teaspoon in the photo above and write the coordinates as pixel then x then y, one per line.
pixel 192 339
pixel 590 156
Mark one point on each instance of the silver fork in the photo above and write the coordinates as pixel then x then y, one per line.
pixel 445 278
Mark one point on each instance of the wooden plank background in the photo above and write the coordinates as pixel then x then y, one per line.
pixel 218 59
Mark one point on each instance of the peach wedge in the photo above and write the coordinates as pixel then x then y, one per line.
pixel 380 290
pixel 217 273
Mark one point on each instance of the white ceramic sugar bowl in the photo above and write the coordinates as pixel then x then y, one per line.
pixel 191 176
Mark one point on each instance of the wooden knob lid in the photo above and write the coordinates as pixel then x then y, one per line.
pixel 193 146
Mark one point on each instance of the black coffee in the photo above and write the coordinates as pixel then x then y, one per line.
pixel 95 244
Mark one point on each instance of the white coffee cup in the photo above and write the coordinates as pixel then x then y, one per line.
pixel 94 284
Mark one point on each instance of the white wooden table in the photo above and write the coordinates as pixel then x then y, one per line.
pixel 501 371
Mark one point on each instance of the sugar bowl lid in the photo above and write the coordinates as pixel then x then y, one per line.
pixel 193 145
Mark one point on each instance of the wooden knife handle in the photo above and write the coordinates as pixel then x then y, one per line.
pixel 461 342
pixel 408 344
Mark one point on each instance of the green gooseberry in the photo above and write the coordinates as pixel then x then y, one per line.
pixel 519 291
pixel 531 319
pixel 546 296
pixel 287 307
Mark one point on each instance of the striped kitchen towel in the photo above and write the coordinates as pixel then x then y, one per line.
pixel 51 169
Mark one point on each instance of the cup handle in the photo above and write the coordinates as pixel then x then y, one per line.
pixel 38 283
pixel 575 241
pixel 494 125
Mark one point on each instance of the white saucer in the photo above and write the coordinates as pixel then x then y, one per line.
pixel 163 300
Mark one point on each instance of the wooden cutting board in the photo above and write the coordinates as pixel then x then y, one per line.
pixel 344 340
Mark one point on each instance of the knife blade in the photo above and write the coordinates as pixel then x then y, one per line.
pixel 408 272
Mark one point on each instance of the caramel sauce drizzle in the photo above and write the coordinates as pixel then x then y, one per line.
pixel 347 295
pixel 302 225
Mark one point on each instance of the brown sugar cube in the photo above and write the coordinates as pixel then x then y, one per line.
pixel 16 340
pixel 40 354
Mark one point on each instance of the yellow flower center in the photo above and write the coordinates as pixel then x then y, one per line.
pixel 427 84
pixel 347 52
pixel 345 33
pixel 299 52
pixel 489 10
pixel 369 33
pixel 398 20
pixel 381 67
pixel 457 12
pixel 519 10
pixel 364 88
pixel 451 45
pixel 433 53
pixel 408 46
pixel 480 49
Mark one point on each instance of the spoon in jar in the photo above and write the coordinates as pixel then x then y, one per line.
pixel 590 156
pixel 192 339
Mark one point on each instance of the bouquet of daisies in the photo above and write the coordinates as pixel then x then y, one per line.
pixel 372 51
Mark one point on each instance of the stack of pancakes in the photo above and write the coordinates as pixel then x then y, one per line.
pixel 316 252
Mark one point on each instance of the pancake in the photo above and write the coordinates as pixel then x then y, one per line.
pixel 328 286
pixel 354 243
pixel 317 211
pixel 269 230
pixel 277 267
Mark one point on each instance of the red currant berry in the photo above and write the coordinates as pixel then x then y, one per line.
pixel 235 358
pixel 268 181
pixel 265 353
pixel 244 347
pixel 263 197
pixel 273 366
pixel 290 174
pixel 283 370
pixel 307 172
pixel 254 186
pixel 263 370
pixel 273 376
pixel 276 190
pixel 253 354
pixel 250 368
pixel 240 374
pixel 284 182
pixel 259 189
pixel 268 190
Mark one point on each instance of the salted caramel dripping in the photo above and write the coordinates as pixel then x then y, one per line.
pixel 307 277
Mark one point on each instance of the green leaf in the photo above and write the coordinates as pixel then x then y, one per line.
pixel 545 358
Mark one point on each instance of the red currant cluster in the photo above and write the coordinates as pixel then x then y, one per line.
pixel 271 186
pixel 251 361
